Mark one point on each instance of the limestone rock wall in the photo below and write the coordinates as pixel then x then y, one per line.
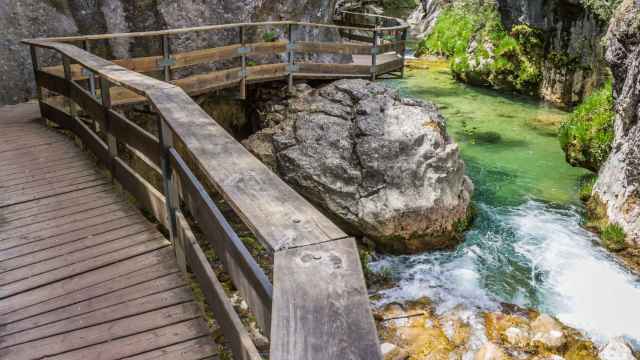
pixel 574 54
pixel 618 184
pixel 20 19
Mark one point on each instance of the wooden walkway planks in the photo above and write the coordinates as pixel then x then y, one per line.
pixel 82 273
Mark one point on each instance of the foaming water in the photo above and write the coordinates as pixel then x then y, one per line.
pixel 526 246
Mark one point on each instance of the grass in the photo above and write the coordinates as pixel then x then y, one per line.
pixel 613 237
pixel 586 187
pixel 587 135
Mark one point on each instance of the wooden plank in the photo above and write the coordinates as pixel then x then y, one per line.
pixel 89 104
pixel 90 227
pixel 247 276
pixel 13 148
pixel 142 342
pixel 120 297
pixel 333 48
pixel 234 332
pixel 330 319
pixel 95 252
pixel 45 183
pixel 135 136
pixel 197 349
pixel 312 76
pixel 266 72
pixel 81 267
pixel 55 226
pixel 60 188
pixel 391 46
pixel 31 219
pixel 55 83
pixel 85 280
pixel 53 155
pixel 318 68
pixel 102 282
pixel 70 247
pixel 34 171
pixel 389 66
pixel 97 334
pixel 199 84
pixel 356 37
pixel 104 315
pixel 278 216
pixel 206 55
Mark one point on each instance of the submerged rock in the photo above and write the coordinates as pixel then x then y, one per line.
pixel 618 185
pixel 381 165
pixel 548 332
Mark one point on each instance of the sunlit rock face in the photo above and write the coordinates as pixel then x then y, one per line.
pixel 23 19
pixel 574 55
pixel 424 17
pixel 381 165
pixel 618 185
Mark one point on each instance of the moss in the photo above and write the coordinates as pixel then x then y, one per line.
pixel 587 135
pixel 586 187
pixel 482 52
pixel 613 237
pixel 546 124
pixel 603 9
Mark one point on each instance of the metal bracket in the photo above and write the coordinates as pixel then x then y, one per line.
pixel 293 68
pixel 166 62
pixel 243 51
pixel 375 51
pixel 291 46
pixel 86 72
pixel 243 72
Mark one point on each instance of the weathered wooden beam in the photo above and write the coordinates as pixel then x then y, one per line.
pixel 243 70
pixel 166 58
pixel 329 319
pixel 334 48
pixel 247 276
pixel 346 69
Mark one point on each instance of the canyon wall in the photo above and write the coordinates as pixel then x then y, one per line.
pixel 23 19
pixel 618 185
pixel 573 62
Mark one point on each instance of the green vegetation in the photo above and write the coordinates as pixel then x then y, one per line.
pixel 481 51
pixel 602 8
pixel 586 136
pixel 613 237
pixel 270 36
pixel 586 187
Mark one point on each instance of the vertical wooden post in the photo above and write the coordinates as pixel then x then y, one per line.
pixel 374 55
pixel 290 55
pixel 92 77
pixel 171 191
pixel 243 72
pixel 166 57
pixel 112 143
pixel 404 50
pixel 68 76
pixel 36 67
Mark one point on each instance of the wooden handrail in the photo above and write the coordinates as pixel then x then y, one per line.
pixel 318 306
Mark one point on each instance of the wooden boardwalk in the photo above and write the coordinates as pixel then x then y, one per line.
pixel 82 273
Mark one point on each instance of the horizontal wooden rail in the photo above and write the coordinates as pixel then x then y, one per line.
pixel 318 306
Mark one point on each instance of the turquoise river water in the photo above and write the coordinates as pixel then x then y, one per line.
pixel 526 246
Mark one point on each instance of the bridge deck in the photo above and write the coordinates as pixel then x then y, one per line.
pixel 82 272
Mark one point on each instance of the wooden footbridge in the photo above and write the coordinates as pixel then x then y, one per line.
pixel 84 274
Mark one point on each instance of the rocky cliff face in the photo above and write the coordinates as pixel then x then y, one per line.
pixel 424 17
pixel 573 61
pixel 381 165
pixel 618 185
pixel 20 19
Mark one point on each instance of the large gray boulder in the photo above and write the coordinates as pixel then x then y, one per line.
pixel 381 165
pixel 618 185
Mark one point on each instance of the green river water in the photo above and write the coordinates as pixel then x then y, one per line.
pixel 527 245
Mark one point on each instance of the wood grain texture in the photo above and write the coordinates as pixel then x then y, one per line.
pixel 331 318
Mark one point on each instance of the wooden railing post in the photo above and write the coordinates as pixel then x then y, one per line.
pixel 403 48
pixel 243 71
pixel 166 58
pixel 36 67
pixel 112 143
pixel 290 54
pixel 171 191
pixel 68 76
pixel 374 55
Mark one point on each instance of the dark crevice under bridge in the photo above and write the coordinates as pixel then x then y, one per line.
pixel 83 274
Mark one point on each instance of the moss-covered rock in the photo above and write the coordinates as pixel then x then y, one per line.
pixel 586 136
pixel 482 51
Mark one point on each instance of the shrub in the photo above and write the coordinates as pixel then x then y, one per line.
pixel 602 8
pixel 482 51
pixel 270 36
pixel 587 135
pixel 613 237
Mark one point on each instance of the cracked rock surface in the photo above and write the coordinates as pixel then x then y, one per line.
pixel 380 165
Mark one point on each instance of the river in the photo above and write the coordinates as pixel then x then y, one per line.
pixel 526 245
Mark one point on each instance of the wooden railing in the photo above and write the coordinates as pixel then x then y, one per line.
pixel 318 307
